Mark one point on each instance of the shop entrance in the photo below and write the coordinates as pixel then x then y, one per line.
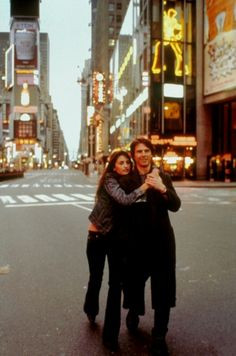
pixel 222 162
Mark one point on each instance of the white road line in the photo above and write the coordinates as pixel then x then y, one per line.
pixel 213 199
pixel 83 196
pixel 45 198
pixel 82 207
pixel 64 197
pixel 46 185
pixel 27 199
pixel 6 199
pixel 45 204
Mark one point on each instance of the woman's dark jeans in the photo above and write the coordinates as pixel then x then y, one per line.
pixel 98 247
pixel 96 253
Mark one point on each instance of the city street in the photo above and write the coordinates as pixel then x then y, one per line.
pixel 43 227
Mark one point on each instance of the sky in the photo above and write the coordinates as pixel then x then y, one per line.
pixel 69 33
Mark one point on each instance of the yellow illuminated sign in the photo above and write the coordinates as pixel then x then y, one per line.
pixel 125 62
pixel 172 32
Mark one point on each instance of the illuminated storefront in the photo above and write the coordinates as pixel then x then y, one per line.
pixel 172 90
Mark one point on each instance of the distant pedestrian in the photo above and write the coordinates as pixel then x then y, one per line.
pixel 105 240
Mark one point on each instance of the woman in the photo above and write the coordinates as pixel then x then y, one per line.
pixel 105 239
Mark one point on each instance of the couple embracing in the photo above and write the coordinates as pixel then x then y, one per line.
pixel 130 225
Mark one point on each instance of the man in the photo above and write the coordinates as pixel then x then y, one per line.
pixel 152 246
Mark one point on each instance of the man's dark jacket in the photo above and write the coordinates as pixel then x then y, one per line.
pixel 152 241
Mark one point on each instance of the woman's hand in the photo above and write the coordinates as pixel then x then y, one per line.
pixel 144 187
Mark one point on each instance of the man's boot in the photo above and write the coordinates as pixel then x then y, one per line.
pixel 161 320
pixel 158 346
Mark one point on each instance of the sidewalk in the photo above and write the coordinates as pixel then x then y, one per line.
pixel 94 178
pixel 203 184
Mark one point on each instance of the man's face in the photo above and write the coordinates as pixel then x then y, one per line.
pixel 142 156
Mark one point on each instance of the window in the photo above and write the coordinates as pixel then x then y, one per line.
pixel 119 6
pixel 111 7
pixel 111 31
pixel 118 18
pixel 111 19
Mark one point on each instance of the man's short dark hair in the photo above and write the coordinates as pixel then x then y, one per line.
pixel 139 140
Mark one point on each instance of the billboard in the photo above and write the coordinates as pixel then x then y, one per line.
pixel 219 46
pixel 25 129
pixel 9 67
pixel 24 35
pixel 25 49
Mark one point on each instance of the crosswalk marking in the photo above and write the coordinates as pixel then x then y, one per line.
pixel 45 198
pixel 36 198
pixel 64 197
pixel 83 196
pixel 27 199
pixel 7 199
pixel 82 207
pixel 46 185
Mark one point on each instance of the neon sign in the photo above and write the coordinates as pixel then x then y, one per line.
pixel 172 33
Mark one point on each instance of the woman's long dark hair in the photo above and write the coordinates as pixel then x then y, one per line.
pixel 111 165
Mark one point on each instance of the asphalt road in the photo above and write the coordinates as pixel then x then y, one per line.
pixel 43 227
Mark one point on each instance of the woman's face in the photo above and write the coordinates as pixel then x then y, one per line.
pixel 122 165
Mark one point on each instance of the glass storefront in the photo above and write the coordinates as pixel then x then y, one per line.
pixel 222 162
pixel 172 92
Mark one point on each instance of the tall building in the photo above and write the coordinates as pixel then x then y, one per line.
pixel 107 17
pixel 216 89
pixel 182 87
pixel 85 82
pixel 4 99
pixel 27 128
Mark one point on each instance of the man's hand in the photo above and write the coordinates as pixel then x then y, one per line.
pixel 154 180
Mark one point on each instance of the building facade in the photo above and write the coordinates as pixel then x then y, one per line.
pixel 171 78
pixel 106 21
pixel 183 88
pixel 27 116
